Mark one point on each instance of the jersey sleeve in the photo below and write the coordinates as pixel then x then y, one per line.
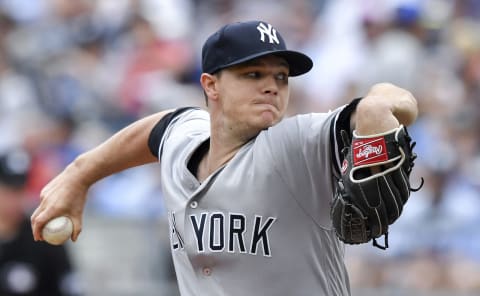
pixel 164 127
pixel 302 149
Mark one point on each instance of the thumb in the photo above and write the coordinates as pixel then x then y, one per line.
pixel 77 228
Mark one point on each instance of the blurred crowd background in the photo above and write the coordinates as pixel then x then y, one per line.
pixel 74 72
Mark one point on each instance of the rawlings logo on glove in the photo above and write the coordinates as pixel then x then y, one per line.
pixel 366 203
pixel 368 152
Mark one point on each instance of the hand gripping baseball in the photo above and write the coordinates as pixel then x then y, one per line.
pixel 65 195
pixel 374 185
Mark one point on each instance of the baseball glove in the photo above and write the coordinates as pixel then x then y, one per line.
pixel 374 185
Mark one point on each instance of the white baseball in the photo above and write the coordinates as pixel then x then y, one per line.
pixel 58 230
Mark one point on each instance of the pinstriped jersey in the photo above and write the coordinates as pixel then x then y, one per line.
pixel 260 224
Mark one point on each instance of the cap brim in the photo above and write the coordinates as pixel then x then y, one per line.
pixel 298 62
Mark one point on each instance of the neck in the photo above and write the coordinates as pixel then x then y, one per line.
pixel 224 145
pixel 221 151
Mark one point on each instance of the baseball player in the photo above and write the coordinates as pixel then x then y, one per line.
pixel 251 195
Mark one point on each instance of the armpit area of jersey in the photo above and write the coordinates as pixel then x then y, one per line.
pixel 158 130
pixel 342 123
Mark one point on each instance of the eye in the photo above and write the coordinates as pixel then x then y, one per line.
pixel 253 74
pixel 282 76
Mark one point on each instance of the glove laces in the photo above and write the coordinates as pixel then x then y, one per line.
pixel 411 162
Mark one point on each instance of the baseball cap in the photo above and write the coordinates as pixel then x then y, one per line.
pixel 239 42
pixel 14 168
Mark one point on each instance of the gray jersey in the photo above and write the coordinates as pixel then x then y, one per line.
pixel 259 225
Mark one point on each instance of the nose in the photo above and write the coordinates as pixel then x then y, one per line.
pixel 270 85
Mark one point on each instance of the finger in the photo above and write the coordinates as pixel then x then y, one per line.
pixel 77 228
pixel 32 225
pixel 34 215
pixel 38 222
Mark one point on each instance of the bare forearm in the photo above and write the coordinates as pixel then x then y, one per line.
pixel 65 195
pixel 384 108
pixel 126 149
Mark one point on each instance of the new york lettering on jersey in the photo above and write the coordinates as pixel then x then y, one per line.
pixel 230 232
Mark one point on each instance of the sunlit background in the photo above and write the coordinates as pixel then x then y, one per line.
pixel 72 72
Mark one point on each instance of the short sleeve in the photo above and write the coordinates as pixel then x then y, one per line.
pixel 159 129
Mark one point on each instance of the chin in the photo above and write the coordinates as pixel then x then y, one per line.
pixel 269 117
pixel 267 124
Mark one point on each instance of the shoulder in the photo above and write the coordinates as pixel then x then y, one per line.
pixel 180 122
pixel 302 133
pixel 308 122
pixel 187 114
pixel 187 120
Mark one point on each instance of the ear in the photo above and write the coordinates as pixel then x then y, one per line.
pixel 209 85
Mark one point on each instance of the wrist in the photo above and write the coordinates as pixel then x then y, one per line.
pixel 83 170
pixel 374 116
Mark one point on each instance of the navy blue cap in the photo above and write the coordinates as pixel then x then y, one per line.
pixel 240 42
pixel 14 168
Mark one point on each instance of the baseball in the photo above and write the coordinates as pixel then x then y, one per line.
pixel 57 230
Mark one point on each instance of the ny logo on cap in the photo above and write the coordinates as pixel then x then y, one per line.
pixel 270 31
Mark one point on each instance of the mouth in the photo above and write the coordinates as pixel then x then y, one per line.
pixel 264 102
pixel 268 111
pixel 266 107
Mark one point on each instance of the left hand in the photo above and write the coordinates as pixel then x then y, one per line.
pixel 384 108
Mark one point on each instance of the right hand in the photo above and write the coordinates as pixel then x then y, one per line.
pixel 65 195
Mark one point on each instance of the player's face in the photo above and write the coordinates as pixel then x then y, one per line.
pixel 254 95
